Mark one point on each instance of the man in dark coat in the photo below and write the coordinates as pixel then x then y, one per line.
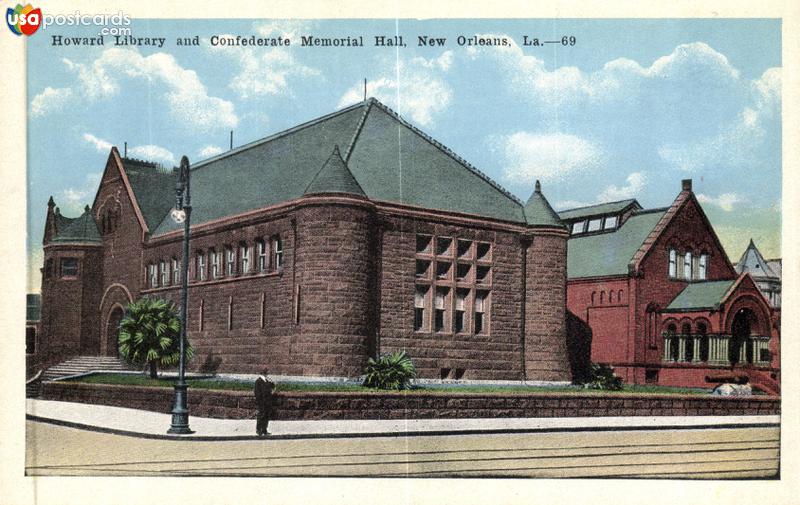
pixel 263 392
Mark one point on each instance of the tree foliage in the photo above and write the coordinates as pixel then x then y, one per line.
pixel 602 377
pixel 390 371
pixel 149 333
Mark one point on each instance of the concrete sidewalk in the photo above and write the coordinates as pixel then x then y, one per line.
pixel 154 425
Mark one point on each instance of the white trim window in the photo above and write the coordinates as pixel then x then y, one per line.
pixel 244 258
pixel 230 261
pixel 673 263
pixel 702 267
pixel 201 266
pixel 215 257
pixel 420 296
pixel 176 271
pixel 261 248
pixel 439 310
pixel 459 322
pixel 687 266
pixel 480 312
pixel 277 253
pixel 164 273
pixel 153 275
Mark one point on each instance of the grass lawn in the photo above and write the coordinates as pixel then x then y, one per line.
pixel 237 385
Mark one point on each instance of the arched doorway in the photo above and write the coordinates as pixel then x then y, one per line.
pixel 112 331
pixel 742 325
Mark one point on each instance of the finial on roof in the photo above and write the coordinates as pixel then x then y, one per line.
pixel 336 151
pixel 686 184
pixel 752 244
pixel 51 202
pixel 87 209
pixel 538 188
pixel 58 211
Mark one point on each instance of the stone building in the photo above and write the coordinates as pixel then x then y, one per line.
pixel 659 299
pixel 315 248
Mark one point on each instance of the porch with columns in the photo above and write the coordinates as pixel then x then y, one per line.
pixel 683 348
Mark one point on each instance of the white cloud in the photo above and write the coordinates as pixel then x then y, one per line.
pixel 634 185
pixel 101 145
pixel 153 153
pixel 209 151
pixel 549 156
pixel 186 96
pixel 725 201
pixel 286 28
pixel 264 72
pixel 49 100
pixel 147 152
pixel 415 89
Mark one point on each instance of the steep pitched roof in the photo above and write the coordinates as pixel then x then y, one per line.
pixel 389 159
pixel 608 254
pixel 599 209
pixel 334 177
pixel 701 295
pixel 153 187
pixel 538 211
pixel 82 229
pixel 753 262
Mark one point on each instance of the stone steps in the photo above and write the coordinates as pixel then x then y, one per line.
pixel 83 364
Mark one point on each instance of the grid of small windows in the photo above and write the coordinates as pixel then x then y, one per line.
pixel 262 256
pixel 453 285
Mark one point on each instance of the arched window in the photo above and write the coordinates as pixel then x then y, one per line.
pixel 702 267
pixel 619 296
pixel 672 341
pixel 594 293
pixel 687 266
pixel 673 263
pixel 702 330
pixel 602 297
pixel 611 296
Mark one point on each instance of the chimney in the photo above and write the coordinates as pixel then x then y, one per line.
pixel 686 185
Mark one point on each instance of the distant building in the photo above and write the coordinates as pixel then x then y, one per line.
pixel 659 298
pixel 766 273
pixel 32 322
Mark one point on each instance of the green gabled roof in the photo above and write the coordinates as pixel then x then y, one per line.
pixel 80 229
pixel 154 189
pixel 538 211
pixel 389 160
pixel 34 307
pixel 607 254
pixel 599 209
pixel 701 295
pixel 334 177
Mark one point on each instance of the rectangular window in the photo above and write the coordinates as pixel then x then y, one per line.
pixel 69 267
pixel 461 308
pixel 440 307
pixel 687 266
pixel 244 258
pixel 442 270
pixel 480 311
pixel 484 251
pixel 424 244
pixel 152 274
pixel 444 246
pixel 702 267
pixel 594 224
pixel 277 253
pixel 230 261
pixel 464 249
pixel 482 274
pixel 578 226
pixel 201 266
pixel 420 297
pixel 673 263
pixel 176 271
pixel 423 269
pixel 463 272
pixel 611 223
pixel 261 250
pixel 215 261
pixel 164 273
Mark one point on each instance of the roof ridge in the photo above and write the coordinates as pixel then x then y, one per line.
pixel 359 127
pixel 597 205
pixel 650 211
pixel 446 150
pixel 276 135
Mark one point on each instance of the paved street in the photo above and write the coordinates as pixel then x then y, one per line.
pixel 672 453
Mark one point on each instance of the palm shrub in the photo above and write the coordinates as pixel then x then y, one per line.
pixel 602 377
pixel 149 334
pixel 389 371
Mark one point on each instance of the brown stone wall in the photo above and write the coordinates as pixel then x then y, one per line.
pixel 545 318
pixel 336 288
pixel 494 355
pixel 312 406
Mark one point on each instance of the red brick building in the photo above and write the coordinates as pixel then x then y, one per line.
pixel 661 301
pixel 315 248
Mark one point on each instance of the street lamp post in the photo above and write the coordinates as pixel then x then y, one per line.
pixel 182 214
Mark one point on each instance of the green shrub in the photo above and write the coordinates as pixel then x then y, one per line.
pixel 602 377
pixel 389 371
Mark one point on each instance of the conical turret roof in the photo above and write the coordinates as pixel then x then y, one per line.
pixel 335 177
pixel 538 211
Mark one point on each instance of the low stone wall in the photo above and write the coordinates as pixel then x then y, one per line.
pixel 306 405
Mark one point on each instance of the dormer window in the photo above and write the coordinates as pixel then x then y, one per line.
pixel 578 227
pixel 594 225
pixel 611 223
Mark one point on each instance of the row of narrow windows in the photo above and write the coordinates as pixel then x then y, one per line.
pixel 601 223
pixel 686 266
pixel 263 256
pixel 435 309
pixel 65 268
pixel 609 296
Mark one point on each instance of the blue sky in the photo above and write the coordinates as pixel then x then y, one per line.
pixel 627 112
